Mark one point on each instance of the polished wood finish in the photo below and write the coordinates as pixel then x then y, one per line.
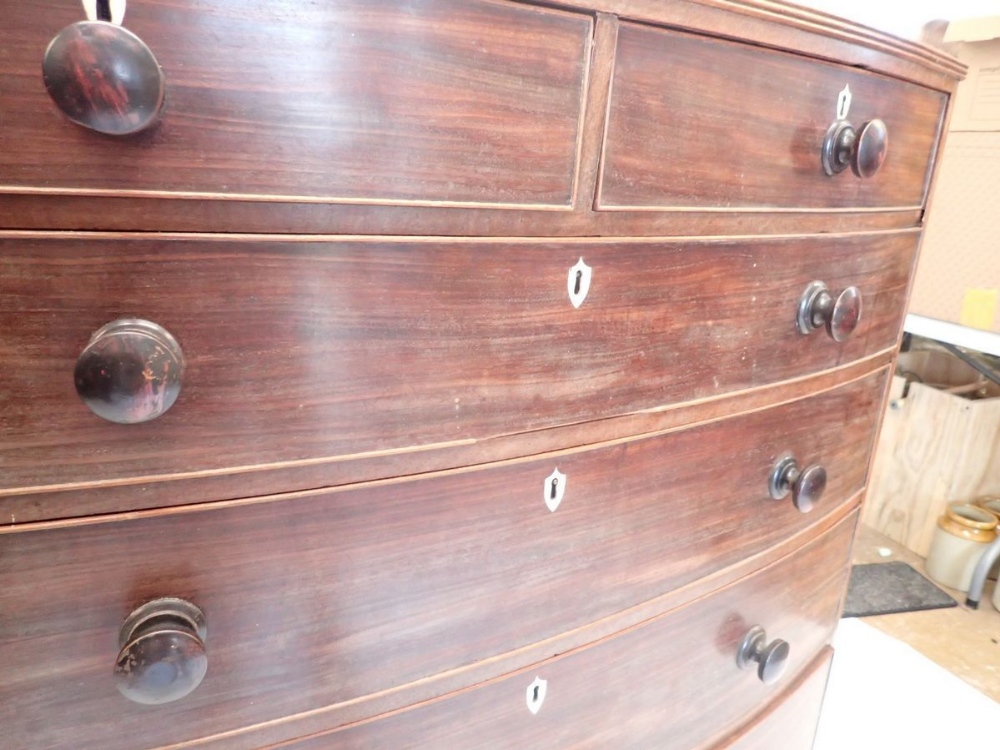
pixel 322 348
pixel 44 209
pixel 369 592
pixel 789 722
pixel 650 687
pixel 103 77
pixel 697 122
pixel 101 497
pixel 436 101
pixel 49 191
pixel 794 28
pixel 413 467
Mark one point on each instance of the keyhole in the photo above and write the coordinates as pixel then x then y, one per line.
pixel 552 496
pixel 579 281
pixel 103 10
pixel 534 695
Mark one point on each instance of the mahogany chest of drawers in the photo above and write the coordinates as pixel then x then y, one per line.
pixel 442 374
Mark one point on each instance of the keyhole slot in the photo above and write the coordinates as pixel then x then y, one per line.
pixel 579 282
pixel 552 496
pixel 109 11
pixel 534 695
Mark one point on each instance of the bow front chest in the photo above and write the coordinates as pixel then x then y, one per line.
pixel 442 374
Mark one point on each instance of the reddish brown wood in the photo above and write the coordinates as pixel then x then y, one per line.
pixel 794 28
pixel 438 100
pixel 697 122
pixel 48 211
pixel 789 722
pixel 103 497
pixel 313 349
pixel 336 595
pixel 103 77
pixel 650 687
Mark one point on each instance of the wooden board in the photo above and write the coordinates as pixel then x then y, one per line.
pixel 935 448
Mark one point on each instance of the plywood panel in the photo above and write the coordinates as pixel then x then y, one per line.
pixel 935 448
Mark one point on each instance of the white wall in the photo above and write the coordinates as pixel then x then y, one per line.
pixel 904 18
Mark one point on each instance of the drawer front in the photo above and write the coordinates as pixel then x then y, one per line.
pixel 466 101
pixel 790 722
pixel 672 683
pixel 696 122
pixel 334 595
pixel 317 349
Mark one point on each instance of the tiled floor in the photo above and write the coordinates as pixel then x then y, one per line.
pixel 963 641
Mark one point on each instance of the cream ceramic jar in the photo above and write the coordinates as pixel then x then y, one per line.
pixel 961 536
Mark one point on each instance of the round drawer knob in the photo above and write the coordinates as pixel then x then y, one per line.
pixel 806 485
pixel 770 658
pixel 103 77
pixel 862 149
pixel 130 371
pixel 818 308
pixel 162 657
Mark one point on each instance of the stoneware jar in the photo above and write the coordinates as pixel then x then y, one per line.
pixel 992 504
pixel 961 535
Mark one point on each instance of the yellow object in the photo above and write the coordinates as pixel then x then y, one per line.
pixel 979 308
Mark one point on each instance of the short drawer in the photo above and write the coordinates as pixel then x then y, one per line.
pixel 673 683
pixel 333 595
pixel 306 350
pixel 435 101
pixel 702 123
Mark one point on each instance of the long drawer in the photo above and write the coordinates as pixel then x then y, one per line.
pixel 331 596
pixel 668 684
pixel 435 101
pixel 311 349
pixel 697 122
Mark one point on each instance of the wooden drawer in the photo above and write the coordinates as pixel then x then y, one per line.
pixel 789 723
pixel 668 684
pixel 333 595
pixel 697 122
pixel 311 349
pixel 455 101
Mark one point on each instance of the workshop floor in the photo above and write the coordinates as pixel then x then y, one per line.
pixel 916 680
pixel 963 641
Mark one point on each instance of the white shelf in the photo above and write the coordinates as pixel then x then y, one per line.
pixel 986 342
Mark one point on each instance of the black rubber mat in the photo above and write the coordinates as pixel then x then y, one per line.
pixel 887 588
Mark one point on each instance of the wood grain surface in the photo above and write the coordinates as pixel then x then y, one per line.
pixel 431 101
pixel 650 687
pixel 332 596
pixel 320 348
pixel 80 499
pixel 698 122
pixel 51 210
pixel 789 722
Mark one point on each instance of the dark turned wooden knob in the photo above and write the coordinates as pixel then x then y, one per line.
pixel 863 149
pixel 103 77
pixel 840 316
pixel 162 657
pixel 770 658
pixel 806 485
pixel 130 372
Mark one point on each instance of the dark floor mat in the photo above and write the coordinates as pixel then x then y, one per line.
pixel 887 588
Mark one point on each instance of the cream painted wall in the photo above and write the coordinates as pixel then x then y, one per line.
pixel 904 18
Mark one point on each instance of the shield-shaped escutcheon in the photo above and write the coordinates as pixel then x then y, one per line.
pixel 578 282
pixel 535 694
pixel 554 489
